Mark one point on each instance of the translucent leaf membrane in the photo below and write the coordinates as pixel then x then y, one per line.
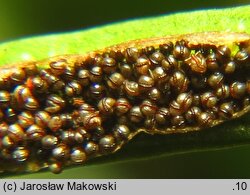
pixel 66 109
pixel 234 19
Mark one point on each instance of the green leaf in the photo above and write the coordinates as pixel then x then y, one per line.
pixel 191 155
pixel 233 19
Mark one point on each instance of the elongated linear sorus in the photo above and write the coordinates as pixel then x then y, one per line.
pixel 66 109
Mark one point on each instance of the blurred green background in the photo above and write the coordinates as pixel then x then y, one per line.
pixel 22 18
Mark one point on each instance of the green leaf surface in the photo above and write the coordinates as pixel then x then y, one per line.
pixel 191 155
pixel 233 19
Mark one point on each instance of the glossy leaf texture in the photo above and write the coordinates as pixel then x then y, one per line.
pixel 192 155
